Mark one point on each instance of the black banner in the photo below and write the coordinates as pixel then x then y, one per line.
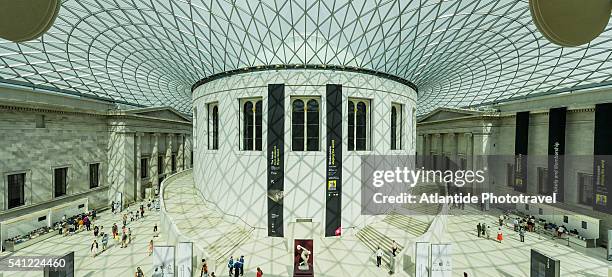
pixel 602 151
pixel 556 151
pixel 333 190
pixel 521 143
pixel 276 153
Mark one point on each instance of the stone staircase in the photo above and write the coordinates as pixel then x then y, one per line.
pixel 408 224
pixel 221 249
pixel 373 239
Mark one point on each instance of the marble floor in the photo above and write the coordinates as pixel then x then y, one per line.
pixel 482 257
pixel 113 262
pixel 224 236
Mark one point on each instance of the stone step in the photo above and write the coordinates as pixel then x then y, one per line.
pixel 373 239
pixel 220 250
pixel 408 224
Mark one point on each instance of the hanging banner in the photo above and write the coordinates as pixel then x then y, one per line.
pixel 163 261
pixel 421 259
pixel 184 259
pixel 333 184
pixel 521 141
pixel 556 151
pixel 602 151
pixel 276 154
pixel 441 265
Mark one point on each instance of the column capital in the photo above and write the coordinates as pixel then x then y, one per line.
pixel 468 134
pixel 155 134
pixel 139 134
pixel 451 134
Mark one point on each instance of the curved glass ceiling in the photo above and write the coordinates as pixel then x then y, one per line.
pixel 458 53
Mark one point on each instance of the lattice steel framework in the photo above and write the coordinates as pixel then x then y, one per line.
pixel 458 53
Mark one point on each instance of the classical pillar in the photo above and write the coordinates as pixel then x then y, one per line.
pixel 153 160
pixel 187 150
pixel 138 168
pixel 168 159
pixel 180 156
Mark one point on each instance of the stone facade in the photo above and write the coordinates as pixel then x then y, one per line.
pixel 458 133
pixel 41 132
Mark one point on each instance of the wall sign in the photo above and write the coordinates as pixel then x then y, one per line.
pixel 521 142
pixel 276 154
pixel 556 151
pixel 333 180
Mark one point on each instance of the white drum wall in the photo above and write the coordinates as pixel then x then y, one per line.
pixel 236 181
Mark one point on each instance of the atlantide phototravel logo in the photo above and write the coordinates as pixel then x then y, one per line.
pixel 400 183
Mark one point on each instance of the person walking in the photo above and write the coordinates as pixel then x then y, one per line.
pixel 516 224
pixel 87 223
pixel 259 272
pixel 488 232
pixel 501 220
pixel 129 238
pixel 124 238
pixel 478 229
pixel 94 249
pixel 241 260
pixel 155 230
pixel 379 255
pixel 391 264
pixel 124 219
pixel 394 247
pixel 139 272
pixel 113 207
pixel 483 227
pixel 230 265
pixel 104 242
pixel 204 271
pixel 500 235
pixel 96 230
pixel 115 230
pixel 237 268
pixel 150 248
pixel 522 234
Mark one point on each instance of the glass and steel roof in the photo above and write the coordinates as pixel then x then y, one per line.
pixel 458 53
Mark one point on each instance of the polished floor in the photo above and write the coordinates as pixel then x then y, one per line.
pixel 352 255
pixel 114 262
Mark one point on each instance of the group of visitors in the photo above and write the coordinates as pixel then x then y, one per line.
pixel 77 223
pixel 379 255
pixel 236 268
pixel 484 230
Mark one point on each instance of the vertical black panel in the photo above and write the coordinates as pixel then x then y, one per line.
pixel 276 153
pixel 544 266
pixel 521 142
pixel 556 151
pixel 333 191
pixel 602 150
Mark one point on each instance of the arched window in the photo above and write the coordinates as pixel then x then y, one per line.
pixel 251 124
pixel 396 126
pixel 312 125
pixel 358 124
pixel 305 124
pixel 213 126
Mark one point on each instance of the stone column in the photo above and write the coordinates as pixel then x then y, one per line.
pixel 153 160
pixel 481 149
pixel 168 159
pixel 451 149
pixel 121 166
pixel 138 168
pixel 180 156
pixel 188 149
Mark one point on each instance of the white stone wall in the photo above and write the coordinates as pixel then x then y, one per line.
pixel 237 180
pixel 579 140
pixel 68 140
